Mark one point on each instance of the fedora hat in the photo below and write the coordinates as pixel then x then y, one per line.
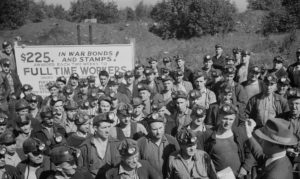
pixel 276 131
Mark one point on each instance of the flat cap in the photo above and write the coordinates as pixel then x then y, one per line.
pixel 61 154
pixel 104 117
pixel 91 79
pixel 26 87
pixel 62 79
pixel 71 105
pixel 228 109
pixel 270 79
pixel 194 94
pixel 186 137
pixel 155 117
pixel 293 93
pixel 83 83
pixel 74 76
pixel 21 104
pixel 128 147
pixel 284 80
pixel 81 117
pixel 119 74
pixel 33 145
pixel 68 90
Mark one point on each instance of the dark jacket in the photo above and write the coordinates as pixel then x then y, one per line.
pixel 17 83
pixel 278 73
pixel 12 172
pixel 252 108
pixel 170 146
pixel 247 83
pixel 290 71
pixel 41 172
pixel 208 139
pixel 124 90
pixel 80 173
pixel 278 169
pixel 146 171
pixel 219 63
pixel 86 159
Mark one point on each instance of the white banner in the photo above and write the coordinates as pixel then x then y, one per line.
pixel 37 65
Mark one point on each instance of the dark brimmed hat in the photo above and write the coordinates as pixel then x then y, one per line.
pixel 112 82
pixel 225 89
pixel 245 53
pixel 207 58
pixel 148 71
pixel 74 76
pixel 166 78
pixel 136 101
pixel 21 104
pixel 6 44
pixel 61 154
pixel 137 66
pixel 54 100
pixel 186 137
pixel 31 98
pixel 199 74
pixel 52 84
pixel 3 118
pixel 218 46
pixel 278 59
pixel 5 61
pixel 83 83
pixel 179 94
pixel 104 73
pixel 23 120
pixel 7 138
pixel 124 110
pixel 228 109
pixel 129 74
pixel 198 111
pixel 236 50
pixel 71 105
pixel 178 57
pixel 293 93
pixel 128 147
pixel 68 90
pixel 104 117
pixel 229 70
pixel 62 79
pixel 276 131
pixel 142 87
pixel 26 87
pixel 119 75
pixel 216 73
pixel 151 59
pixel 194 94
pixel 84 105
pixel 105 98
pixel 178 73
pixel 165 70
pixel 81 117
pixel 166 60
pixel 46 112
pixel 91 79
pixel 33 145
pixel 155 117
pixel 255 69
pixel 157 106
pixel 270 79
pixel 284 81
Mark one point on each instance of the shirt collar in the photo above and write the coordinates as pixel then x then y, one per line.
pixel 275 157
pixel 123 171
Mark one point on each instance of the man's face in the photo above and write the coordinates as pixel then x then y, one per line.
pixel 26 93
pixel 114 103
pixel 54 91
pixel 113 88
pixel 105 106
pixel 226 97
pixel 144 95
pixel 139 71
pixel 198 120
pixel 200 83
pixel 277 65
pixel 219 51
pixel 74 82
pixel 237 56
pixel 84 128
pixel 8 49
pixel 58 107
pixel 103 130
pixel 227 121
pixel 125 120
pixel 11 148
pixel 208 64
pixel 195 101
pixel 294 104
pixel 84 90
pixel 189 150
pixel 153 64
pixel 26 129
pixel 253 76
pixel 180 63
pixel 181 104
pixel 270 88
pixel 282 88
pixel 2 161
pixel 138 110
pixel 157 130
pixel 150 77
pixel 179 78
pixel 36 157
pixel 71 114
pixel 2 129
pixel 23 112
pixel 229 77
pixel 48 121
pixel 131 161
pixel 69 168
pixel 129 80
pixel 230 62
pixel 119 80
pixel 61 85
pixel 103 80
pixel 168 85
pixel 5 68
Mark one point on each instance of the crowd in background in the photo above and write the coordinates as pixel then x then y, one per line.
pixel 157 121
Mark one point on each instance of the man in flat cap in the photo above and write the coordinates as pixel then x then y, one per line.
pixel 294 71
pixel 226 143
pixel 208 68
pixel 99 153
pixel 131 166
pixel 271 153
pixel 266 104
pixel 181 66
pixel 283 86
pixel 128 88
pixel 189 162
pixel 8 53
pixel 278 69
pixel 71 108
pixel 242 69
pixel 157 146
pixel 64 159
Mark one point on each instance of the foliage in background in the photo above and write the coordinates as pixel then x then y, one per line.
pixel 283 15
pixel 190 18
pixel 12 14
pixel 143 11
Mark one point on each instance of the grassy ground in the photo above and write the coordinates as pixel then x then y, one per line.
pixel 53 31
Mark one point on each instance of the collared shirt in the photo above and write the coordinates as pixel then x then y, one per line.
pixel 12 160
pixel 30 172
pixel 183 119
pixel 100 146
pixel 20 139
pixel 138 118
pixel 207 97
pixel 267 108
pixel 275 157
pixel 124 174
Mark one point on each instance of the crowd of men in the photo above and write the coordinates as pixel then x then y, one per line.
pixel 157 121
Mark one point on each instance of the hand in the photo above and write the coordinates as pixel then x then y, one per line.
pixel 242 172
pixel 250 125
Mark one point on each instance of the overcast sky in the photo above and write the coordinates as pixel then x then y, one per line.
pixel 241 4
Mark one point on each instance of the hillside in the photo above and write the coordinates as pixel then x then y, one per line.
pixel 58 32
